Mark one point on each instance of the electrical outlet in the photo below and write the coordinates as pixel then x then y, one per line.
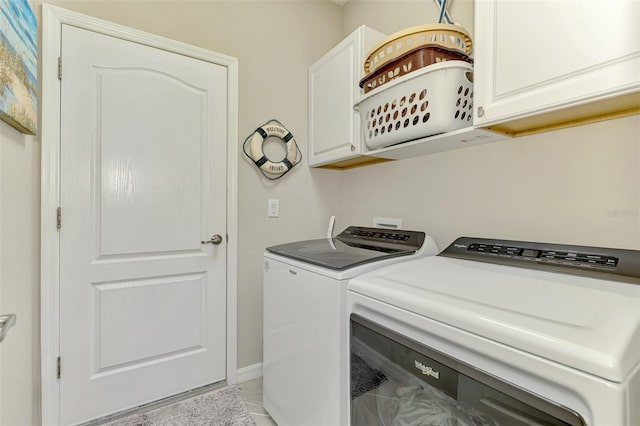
pixel 273 208
pixel 387 222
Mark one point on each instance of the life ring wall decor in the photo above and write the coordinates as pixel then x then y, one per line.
pixel 253 148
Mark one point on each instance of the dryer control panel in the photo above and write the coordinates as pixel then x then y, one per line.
pixel 598 262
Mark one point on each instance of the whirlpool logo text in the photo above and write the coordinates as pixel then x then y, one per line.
pixel 426 370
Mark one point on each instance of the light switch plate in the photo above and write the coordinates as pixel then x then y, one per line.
pixel 273 208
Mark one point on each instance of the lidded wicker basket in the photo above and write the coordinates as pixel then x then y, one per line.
pixel 447 36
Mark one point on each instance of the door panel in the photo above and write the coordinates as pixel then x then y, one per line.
pixel 129 309
pixel 154 179
pixel 143 182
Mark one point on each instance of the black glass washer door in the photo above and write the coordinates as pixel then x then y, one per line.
pixel 335 254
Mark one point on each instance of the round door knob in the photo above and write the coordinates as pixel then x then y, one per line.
pixel 215 239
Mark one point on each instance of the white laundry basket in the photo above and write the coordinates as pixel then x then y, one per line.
pixel 435 99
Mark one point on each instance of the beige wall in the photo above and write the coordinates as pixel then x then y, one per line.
pixel 577 185
pixel 574 186
pixel 20 276
pixel 389 16
pixel 275 42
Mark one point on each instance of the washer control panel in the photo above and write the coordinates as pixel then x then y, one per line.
pixel 390 238
pixel 381 235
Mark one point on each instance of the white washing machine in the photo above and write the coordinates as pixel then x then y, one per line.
pixel 305 321
pixel 494 332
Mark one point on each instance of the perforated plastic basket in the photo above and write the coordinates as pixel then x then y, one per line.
pixel 435 99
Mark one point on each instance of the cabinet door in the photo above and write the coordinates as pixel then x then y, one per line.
pixel 534 56
pixel 334 126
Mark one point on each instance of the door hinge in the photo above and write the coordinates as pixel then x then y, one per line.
pixel 59 218
pixel 59 68
pixel 58 368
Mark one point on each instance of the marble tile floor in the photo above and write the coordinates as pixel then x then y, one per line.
pixel 251 394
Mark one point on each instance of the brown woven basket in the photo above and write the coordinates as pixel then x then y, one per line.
pixel 409 62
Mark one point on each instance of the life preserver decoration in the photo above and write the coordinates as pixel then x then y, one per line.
pixel 255 142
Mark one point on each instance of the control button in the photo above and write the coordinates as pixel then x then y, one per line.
pixel 530 253
pixel 594 257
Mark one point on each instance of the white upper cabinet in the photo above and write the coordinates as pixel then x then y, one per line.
pixel 546 64
pixel 334 126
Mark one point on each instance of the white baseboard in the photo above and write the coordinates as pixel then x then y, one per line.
pixel 250 372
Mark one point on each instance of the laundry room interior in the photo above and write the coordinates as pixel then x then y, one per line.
pixel 576 184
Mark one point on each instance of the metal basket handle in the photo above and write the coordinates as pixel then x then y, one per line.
pixel 6 322
pixel 444 15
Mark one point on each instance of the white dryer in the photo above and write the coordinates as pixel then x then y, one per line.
pixel 495 332
pixel 305 321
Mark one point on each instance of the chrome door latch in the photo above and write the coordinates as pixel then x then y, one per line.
pixel 215 239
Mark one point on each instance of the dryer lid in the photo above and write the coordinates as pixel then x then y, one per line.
pixel 587 323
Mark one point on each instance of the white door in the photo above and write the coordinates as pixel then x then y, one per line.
pixel 143 182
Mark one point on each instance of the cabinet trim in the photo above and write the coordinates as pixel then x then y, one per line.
pixel 607 109
pixel 362 160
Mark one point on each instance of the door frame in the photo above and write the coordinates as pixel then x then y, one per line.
pixel 52 20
